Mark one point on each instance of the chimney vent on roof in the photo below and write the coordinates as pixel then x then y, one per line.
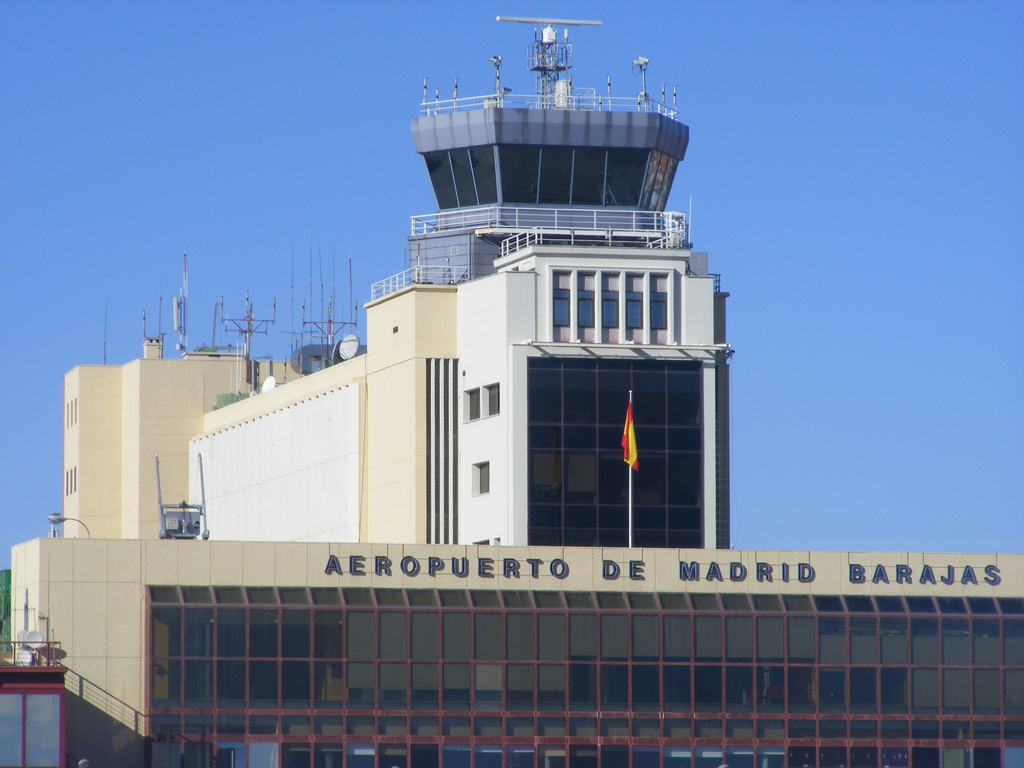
pixel 153 348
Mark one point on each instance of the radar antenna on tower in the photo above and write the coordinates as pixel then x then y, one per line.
pixel 549 58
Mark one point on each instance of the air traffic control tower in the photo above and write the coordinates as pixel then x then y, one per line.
pixel 563 160
pixel 575 289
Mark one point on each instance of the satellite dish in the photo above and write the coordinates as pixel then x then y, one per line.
pixel 345 349
pixel 269 384
pixel 34 639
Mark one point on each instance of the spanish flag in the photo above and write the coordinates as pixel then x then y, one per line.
pixel 629 452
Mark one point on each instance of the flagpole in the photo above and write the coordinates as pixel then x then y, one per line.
pixel 629 472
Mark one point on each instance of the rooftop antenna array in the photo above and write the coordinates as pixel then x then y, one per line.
pixel 550 58
pixel 247 326
pixel 179 308
pixel 324 348
pixel 182 521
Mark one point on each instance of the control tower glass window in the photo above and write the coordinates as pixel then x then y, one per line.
pixel 616 177
pixel 555 175
pixel 463 177
pixel 519 168
pixel 440 171
pixel 588 176
pixel 482 160
pixel 462 169
pixel 625 177
pixel 660 171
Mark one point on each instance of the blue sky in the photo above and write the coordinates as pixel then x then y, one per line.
pixel 855 171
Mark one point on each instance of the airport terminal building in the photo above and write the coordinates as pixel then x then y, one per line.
pixel 249 653
pixel 427 551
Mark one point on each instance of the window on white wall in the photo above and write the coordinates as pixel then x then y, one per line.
pixel 659 309
pixel 610 309
pixel 560 307
pixel 634 310
pixel 493 400
pixel 659 303
pixel 560 297
pixel 482 401
pixel 481 478
pixel 585 306
pixel 473 405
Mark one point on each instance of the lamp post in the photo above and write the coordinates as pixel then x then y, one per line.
pixel 57 519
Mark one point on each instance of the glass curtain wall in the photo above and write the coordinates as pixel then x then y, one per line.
pixel 578 483
pixel 411 678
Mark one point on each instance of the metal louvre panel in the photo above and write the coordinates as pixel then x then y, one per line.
pixel 442 450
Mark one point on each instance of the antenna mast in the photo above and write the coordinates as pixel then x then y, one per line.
pixel 180 308
pixel 246 326
pixel 496 61
pixel 640 66
pixel 549 58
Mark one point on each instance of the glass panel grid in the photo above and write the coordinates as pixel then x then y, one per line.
pixel 934 676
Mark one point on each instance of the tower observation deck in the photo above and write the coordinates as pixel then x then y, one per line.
pixel 562 165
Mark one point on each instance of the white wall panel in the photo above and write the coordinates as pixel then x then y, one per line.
pixel 288 475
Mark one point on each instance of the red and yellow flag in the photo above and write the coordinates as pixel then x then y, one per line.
pixel 629 452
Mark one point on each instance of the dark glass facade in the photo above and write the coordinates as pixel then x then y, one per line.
pixel 578 482
pixel 421 678
pixel 617 177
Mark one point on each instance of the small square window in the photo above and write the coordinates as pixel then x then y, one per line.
pixel 481 478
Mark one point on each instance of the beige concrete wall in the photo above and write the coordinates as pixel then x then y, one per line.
pixel 92 449
pixel 424 316
pixel 126 415
pixel 163 403
pixel 90 599
pixel 402 331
